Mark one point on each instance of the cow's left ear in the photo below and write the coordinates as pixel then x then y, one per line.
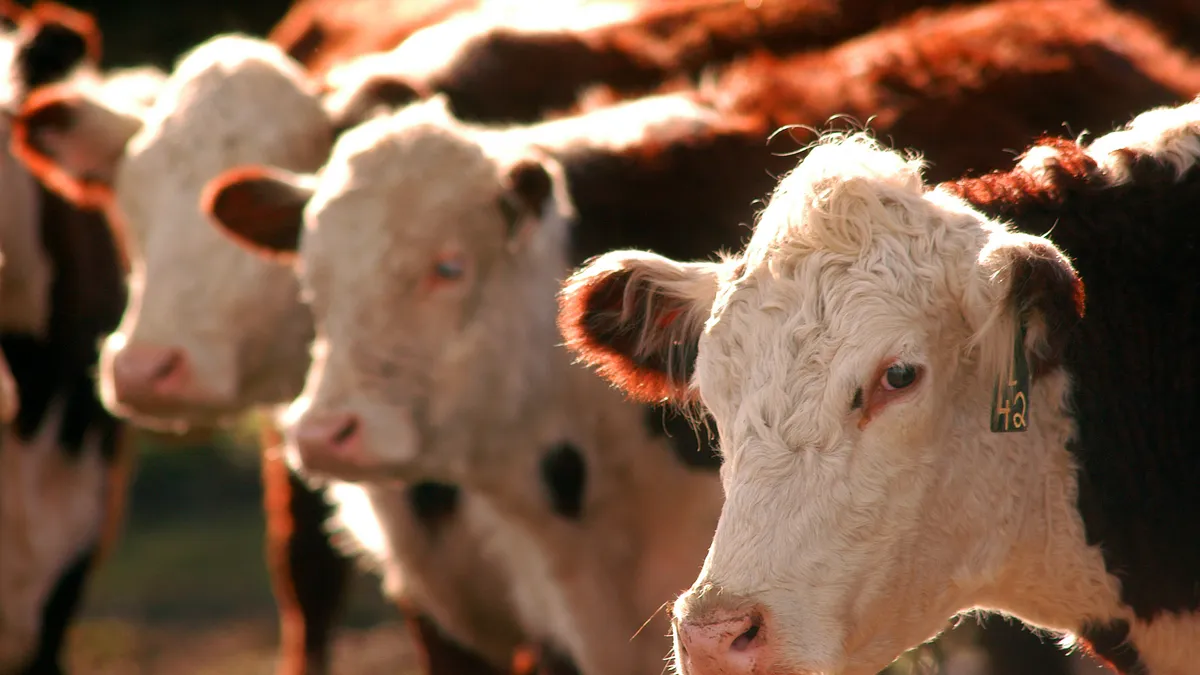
pixel 260 208
pixel 532 189
pixel 1026 279
pixel 638 317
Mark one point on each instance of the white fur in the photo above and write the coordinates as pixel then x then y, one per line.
pixel 858 537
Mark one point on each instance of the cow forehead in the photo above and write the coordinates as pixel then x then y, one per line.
pixel 402 190
pixel 232 101
pixel 852 262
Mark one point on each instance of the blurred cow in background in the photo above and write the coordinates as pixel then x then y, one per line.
pixel 63 467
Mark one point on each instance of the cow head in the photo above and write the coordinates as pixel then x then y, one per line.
pixel 408 250
pixel 210 329
pixel 851 356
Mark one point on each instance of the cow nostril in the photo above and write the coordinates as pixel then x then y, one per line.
pixel 346 432
pixel 743 641
pixel 167 366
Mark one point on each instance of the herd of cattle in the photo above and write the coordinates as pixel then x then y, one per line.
pixel 553 322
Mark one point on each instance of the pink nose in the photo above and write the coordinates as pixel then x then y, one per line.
pixel 148 374
pixel 723 644
pixel 330 443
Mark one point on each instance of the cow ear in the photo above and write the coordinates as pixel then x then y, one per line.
pixel 637 317
pixel 54 40
pixel 260 208
pixel 353 104
pixel 1028 289
pixel 72 141
pixel 528 185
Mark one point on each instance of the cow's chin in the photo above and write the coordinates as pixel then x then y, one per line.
pixel 175 419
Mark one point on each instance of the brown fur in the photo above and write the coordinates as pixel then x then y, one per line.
pixel 1015 69
pixel 510 74
pixel 962 85
pixel 323 33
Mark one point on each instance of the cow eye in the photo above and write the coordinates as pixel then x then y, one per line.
pixel 450 268
pixel 899 376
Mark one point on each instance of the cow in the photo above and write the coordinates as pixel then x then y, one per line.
pixel 63 462
pixel 683 194
pixel 912 386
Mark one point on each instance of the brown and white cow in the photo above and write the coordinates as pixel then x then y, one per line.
pixel 63 466
pixel 584 534
pixel 868 357
pixel 430 218
pixel 205 121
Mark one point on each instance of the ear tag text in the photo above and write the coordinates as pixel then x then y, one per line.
pixel 1010 407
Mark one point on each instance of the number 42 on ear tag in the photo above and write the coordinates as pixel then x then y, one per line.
pixel 1010 409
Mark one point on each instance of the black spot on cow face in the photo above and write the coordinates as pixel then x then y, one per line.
pixel 433 504
pixel 1110 642
pixel 564 475
pixel 691 444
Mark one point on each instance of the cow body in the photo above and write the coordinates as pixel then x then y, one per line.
pixel 863 358
pixel 63 465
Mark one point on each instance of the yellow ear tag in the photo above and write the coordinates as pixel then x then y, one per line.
pixel 1010 408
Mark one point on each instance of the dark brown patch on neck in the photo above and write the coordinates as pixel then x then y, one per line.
pixel 564 472
pixel 1134 358
pixel 433 505
pixel 1110 642
pixel 693 447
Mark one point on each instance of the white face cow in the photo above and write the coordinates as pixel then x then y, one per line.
pixel 431 253
pixel 850 357
pixel 232 100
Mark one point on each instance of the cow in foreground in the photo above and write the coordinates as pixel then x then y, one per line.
pixel 977 395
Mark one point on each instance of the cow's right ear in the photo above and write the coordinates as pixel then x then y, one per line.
pixel 638 317
pixel 260 208
pixel 72 141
